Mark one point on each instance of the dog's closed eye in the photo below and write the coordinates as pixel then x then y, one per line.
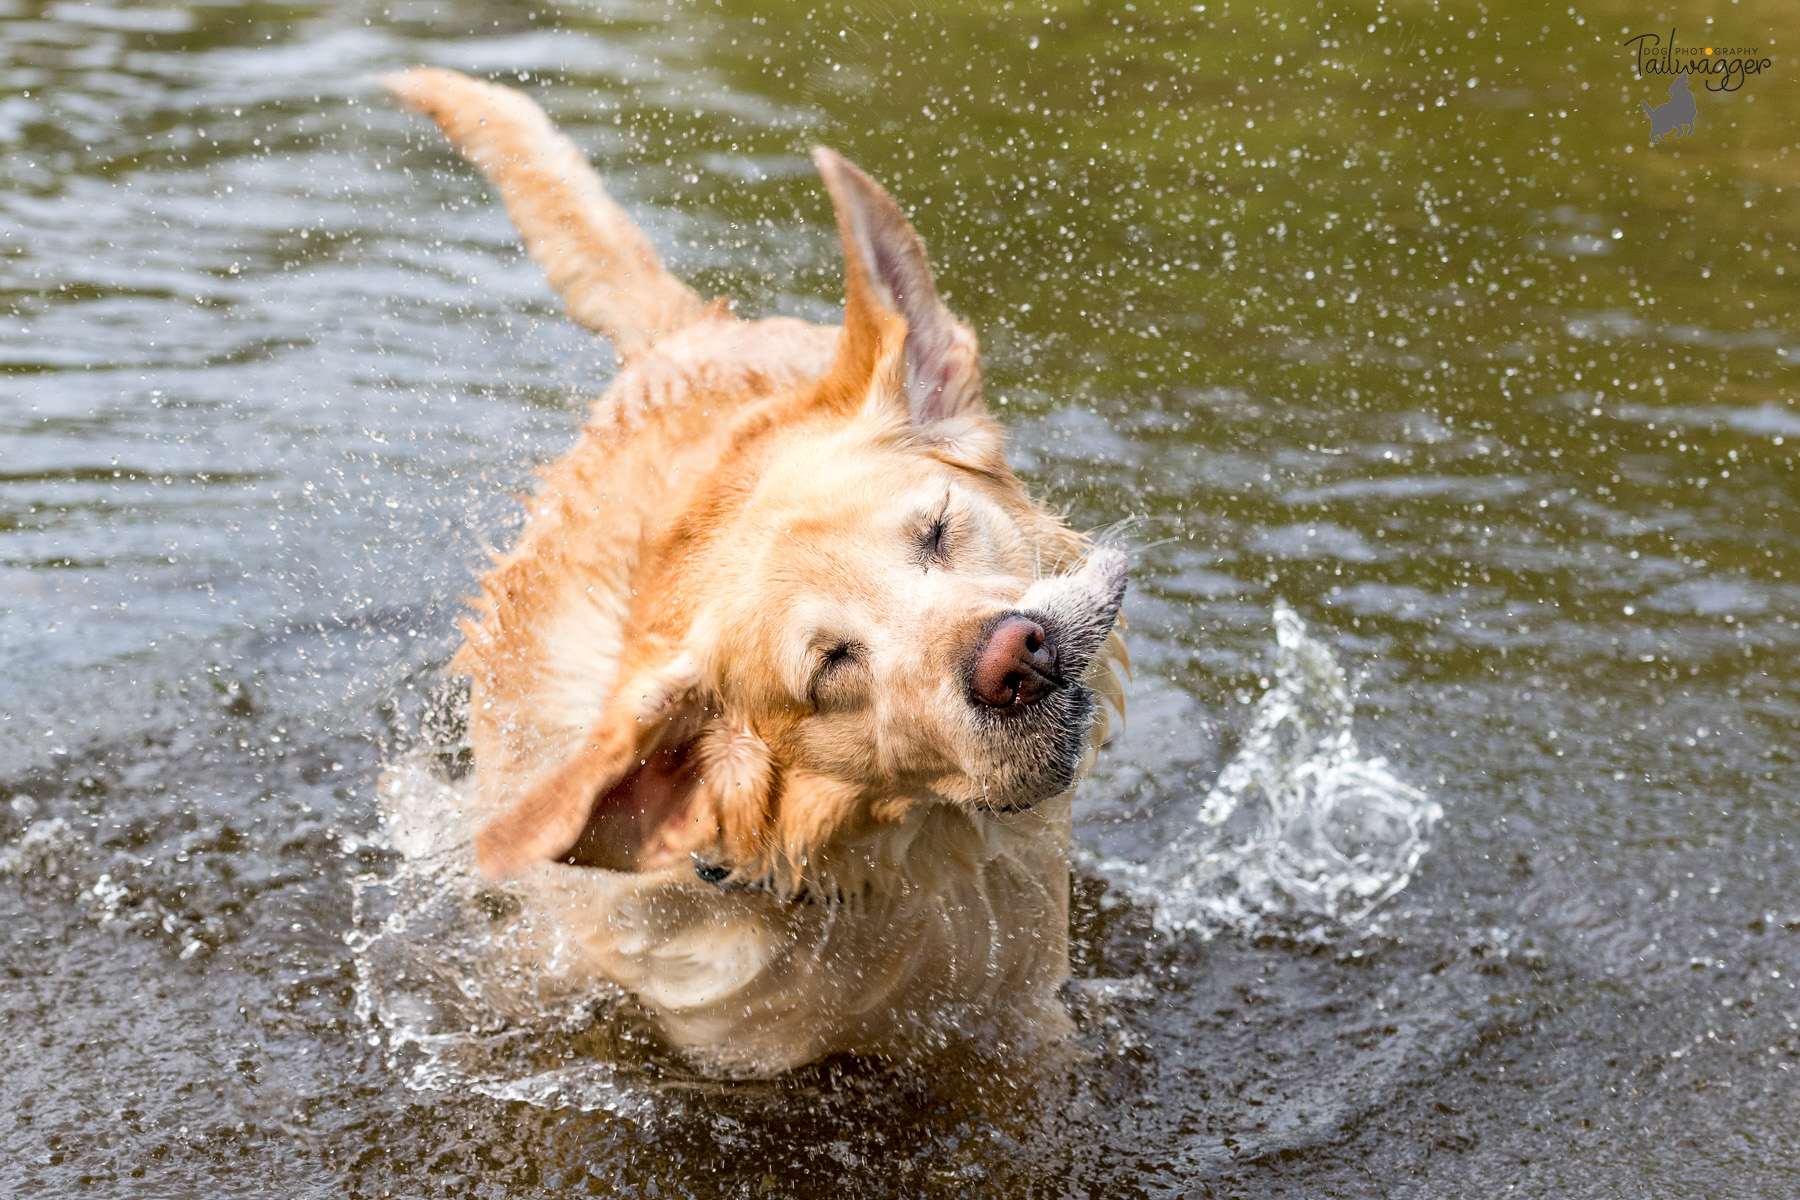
pixel 835 661
pixel 934 542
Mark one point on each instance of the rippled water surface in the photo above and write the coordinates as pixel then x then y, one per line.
pixel 1428 383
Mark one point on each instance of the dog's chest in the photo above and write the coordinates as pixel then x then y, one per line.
pixel 749 983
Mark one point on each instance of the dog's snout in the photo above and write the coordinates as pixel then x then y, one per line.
pixel 1015 666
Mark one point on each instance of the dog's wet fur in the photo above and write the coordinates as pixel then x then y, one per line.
pixel 779 699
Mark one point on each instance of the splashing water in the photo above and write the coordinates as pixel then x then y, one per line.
pixel 1299 824
pixel 470 990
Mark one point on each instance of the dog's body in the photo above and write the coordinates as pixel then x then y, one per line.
pixel 778 701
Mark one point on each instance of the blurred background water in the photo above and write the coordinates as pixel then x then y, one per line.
pixel 1389 313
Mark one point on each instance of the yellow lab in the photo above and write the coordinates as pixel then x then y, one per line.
pixel 779 701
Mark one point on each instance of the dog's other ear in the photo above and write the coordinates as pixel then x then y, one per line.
pixel 886 277
pixel 630 778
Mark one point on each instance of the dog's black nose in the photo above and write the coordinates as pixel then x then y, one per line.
pixel 1015 666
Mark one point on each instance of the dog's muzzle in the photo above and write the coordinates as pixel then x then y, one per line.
pixel 1047 642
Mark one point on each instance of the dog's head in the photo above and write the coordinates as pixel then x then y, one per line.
pixel 858 612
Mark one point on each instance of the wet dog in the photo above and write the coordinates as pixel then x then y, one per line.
pixel 778 702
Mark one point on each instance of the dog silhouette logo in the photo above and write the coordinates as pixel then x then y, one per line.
pixel 1674 117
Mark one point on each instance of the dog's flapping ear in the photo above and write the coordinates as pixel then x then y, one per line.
pixel 889 290
pixel 627 790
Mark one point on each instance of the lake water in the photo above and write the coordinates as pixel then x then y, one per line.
pixel 1383 324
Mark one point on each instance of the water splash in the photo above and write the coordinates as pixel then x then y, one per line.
pixel 41 848
pixel 469 990
pixel 1299 825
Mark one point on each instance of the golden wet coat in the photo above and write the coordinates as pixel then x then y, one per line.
pixel 723 733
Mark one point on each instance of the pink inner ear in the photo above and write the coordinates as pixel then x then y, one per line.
pixel 644 821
